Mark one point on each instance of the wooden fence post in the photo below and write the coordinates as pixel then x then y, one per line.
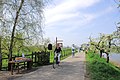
pixel 35 57
pixel 49 57
pixel 32 55
pixel 38 57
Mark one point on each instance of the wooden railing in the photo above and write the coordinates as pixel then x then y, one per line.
pixel 39 58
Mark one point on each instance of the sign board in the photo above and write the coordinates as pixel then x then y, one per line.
pixel 59 41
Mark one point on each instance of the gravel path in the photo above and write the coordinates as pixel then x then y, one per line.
pixel 71 68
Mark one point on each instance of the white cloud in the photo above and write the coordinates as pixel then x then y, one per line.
pixel 66 10
pixel 66 16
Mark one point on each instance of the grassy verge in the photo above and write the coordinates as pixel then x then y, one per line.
pixel 98 69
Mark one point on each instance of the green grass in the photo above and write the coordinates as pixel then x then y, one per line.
pixel 98 69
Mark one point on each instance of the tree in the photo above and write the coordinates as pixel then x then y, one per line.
pixel 117 2
pixel 13 32
pixel 46 41
pixel 98 44
pixel 23 17
pixel 103 44
pixel 116 40
pixel 0 37
pixel 116 33
pixel 0 53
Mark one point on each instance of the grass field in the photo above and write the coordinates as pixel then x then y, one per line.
pixel 98 69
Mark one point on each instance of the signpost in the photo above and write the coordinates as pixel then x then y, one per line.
pixel 59 41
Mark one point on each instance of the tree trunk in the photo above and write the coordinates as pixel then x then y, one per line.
pixel 1 14
pixel 107 57
pixel 0 54
pixel 101 53
pixel 108 50
pixel 13 32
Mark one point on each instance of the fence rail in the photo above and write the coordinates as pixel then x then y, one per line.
pixel 39 58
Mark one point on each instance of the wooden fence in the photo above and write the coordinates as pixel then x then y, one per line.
pixel 39 58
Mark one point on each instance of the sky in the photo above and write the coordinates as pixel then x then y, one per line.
pixel 74 21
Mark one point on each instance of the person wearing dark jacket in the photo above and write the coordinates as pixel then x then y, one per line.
pixel 57 53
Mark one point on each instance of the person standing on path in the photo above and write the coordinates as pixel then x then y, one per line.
pixel 73 50
pixel 57 53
